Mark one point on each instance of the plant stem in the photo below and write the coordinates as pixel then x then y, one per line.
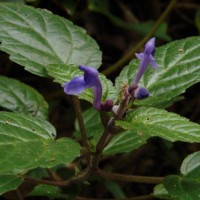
pixel 76 179
pixel 127 57
pixel 129 178
pixel 79 116
pixel 144 197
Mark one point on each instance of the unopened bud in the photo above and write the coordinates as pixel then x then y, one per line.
pixel 141 93
pixel 107 105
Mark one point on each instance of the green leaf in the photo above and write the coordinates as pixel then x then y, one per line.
pixel 13 1
pixel 191 166
pixel 179 68
pixel 9 182
pixel 125 142
pixel 156 122
pixel 160 192
pixel 173 185
pixel 36 38
pixel 19 97
pixel 63 73
pixel 27 143
pixel 182 188
pixel 52 192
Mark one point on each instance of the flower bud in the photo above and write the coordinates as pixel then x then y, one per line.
pixel 107 105
pixel 141 93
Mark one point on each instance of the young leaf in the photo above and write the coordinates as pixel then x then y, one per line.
pixel 9 182
pixel 27 143
pixel 19 97
pixel 125 142
pixel 178 68
pixel 63 73
pixel 156 122
pixel 36 38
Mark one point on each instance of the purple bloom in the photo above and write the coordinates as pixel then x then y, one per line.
pixel 146 58
pixel 90 79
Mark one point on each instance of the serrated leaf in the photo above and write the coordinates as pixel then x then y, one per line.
pixel 19 97
pixel 9 182
pixel 63 73
pixel 179 68
pixel 36 38
pixel 156 122
pixel 125 142
pixel 52 192
pixel 27 143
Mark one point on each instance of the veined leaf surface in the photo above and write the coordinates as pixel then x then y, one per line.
pixel 19 97
pixel 36 38
pixel 27 142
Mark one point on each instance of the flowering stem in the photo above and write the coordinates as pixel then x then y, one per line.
pixel 129 178
pixel 79 116
pixel 107 134
pixel 127 57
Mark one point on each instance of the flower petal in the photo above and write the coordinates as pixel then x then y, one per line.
pixel 75 86
pixel 139 55
pixel 152 62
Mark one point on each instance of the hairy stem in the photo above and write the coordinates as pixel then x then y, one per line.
pixel 127 57
pixel 129 178
pixel 79 116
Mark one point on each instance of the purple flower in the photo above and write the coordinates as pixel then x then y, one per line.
pixel 90 79
pixel 146 58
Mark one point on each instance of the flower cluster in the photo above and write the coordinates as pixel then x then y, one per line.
pixel 90 79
